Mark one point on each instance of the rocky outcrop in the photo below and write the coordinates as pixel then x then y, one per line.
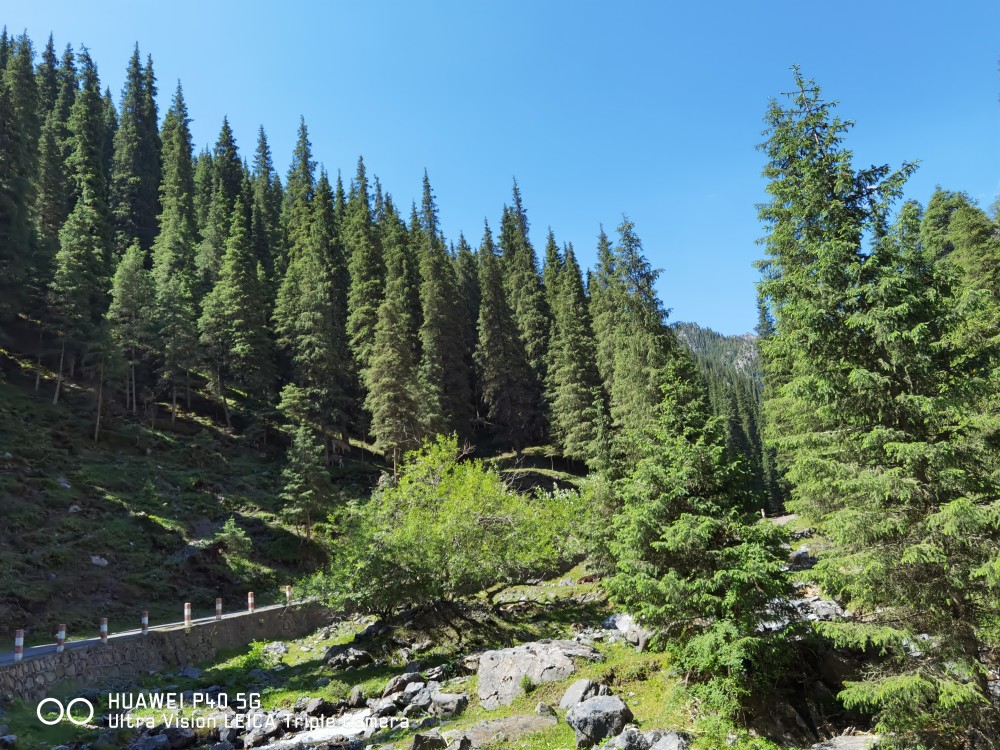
pixel 598 718
pixel 501 673
pixel 502 732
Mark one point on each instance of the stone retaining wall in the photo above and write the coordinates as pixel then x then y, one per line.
pixel 126 658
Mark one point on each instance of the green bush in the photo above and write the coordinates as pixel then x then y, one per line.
pixel 447 528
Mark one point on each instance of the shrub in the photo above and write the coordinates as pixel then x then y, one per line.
pixel 447 528
pixel 234 539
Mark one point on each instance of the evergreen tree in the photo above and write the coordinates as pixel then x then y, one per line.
pixel 233 322
pixel 19 131
pixel 307 487
pixel 267 199
pixel 47 79
pixel 877 418
pixel 573 380
pixel 600 288
pixel 367 270
pixel 174 274
pixel 391 380
pixel 690 561
pixel 135 170
pixel 226 178
pixel 467 272
pixel 129 314
pixel 444 380
pixel 524 288
pixel 78 294
pixel 297 215
pixel 504 373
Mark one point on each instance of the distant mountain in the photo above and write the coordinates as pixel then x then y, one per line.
pixel 730 366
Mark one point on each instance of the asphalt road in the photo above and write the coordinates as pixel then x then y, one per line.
pixel 7 657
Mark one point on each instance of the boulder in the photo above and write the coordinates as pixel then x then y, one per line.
pixel 630 739
pixel 544 709
pixel 460 743
pixel 400 681
pixel 357 697
pixel 501 672
pixel 580 691
pixel 180 737
pixel 598 718
pixel 192 673
pixel 8 740
pixel 320 707
pixel 436 673
pixel 428 741
pixel 448 705
pixel 348 658
pixel 632 631
pixel 671 741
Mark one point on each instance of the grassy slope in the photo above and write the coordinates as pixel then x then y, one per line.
pixel 150 502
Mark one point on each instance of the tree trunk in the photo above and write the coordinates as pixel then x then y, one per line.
pixel 222 395
pixel 62 356
pixel 38 370
pixel 100 403
pixel 135 406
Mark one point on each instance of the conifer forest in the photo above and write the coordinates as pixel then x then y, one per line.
pixel 404 424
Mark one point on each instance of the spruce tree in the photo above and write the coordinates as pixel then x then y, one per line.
pixel 19 129
pixel 129 314
pixel 877 418
pixel 524 287
pixel 226 178
pixel 391 379
pixel 573 380
pixel 467 272
pixel 78 293
pixel 444 379
pixel 690 561
pixel 233 323
pixel 307 487
pixel 174 273
pixel 367 270
pixel 135 170
pixel 505 376
pixel 267 199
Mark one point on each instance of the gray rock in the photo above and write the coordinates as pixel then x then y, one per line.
pixel 544 709
pixel 151 742
pixel 400 681
pixel 632 631
pixel 414 666
pixel 630 739
pixel 460 743
pixel 180 737
pixel 385 707
pixel 277 648
pixel 423 646
pixel 448 705
pixel 99 561
pixel 190 672
pixel 8 740
pixel 994 687
pixel 106 740
pixel 597 719
pixel 580 691
pixel 357 697
pixel 470 663
pixel 348 658
pixel 224 745
pixel 428 741
pixel 436 673
pixel 501 672
pixel 320 707
pixel 802 559
pixel 672 741
pixel 848 742
pixel 503 732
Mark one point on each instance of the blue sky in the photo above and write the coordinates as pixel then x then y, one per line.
pixel 598 108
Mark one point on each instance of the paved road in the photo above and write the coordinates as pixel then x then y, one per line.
pixel 7 657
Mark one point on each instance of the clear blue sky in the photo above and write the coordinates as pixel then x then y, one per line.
pixel 651 108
